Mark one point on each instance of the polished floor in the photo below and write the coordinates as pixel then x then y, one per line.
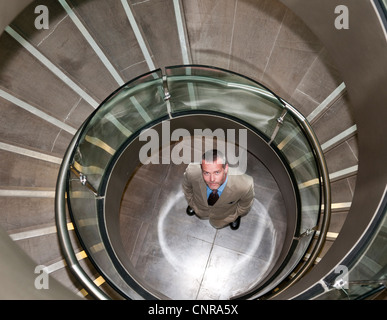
pixel 184 257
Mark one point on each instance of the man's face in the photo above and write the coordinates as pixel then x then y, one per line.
pixel 214 174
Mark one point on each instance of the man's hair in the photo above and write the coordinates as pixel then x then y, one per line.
pixel 214 155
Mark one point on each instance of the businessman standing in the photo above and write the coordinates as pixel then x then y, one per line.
pixel 213 194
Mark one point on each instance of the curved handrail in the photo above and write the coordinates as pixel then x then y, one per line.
pixel 61 193
pixel 61 224
pixel 323 226
pixel 327 200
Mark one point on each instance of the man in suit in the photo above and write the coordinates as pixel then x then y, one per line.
pixel 213 194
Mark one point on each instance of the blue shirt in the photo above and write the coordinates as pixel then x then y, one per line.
pixel 220 190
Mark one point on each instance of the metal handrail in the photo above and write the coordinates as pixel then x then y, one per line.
pixel 61 224
pixel 70 257
pixel 324 225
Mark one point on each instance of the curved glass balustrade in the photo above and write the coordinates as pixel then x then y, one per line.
pixel 365 275
pixel 134 106
pixel 156 97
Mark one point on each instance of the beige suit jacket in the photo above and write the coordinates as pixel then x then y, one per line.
pixel 236 199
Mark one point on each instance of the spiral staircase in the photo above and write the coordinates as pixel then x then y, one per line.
pixel 52 79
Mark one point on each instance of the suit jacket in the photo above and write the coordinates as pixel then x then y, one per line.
pixel 236 199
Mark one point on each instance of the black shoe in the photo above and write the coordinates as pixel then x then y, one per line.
pixel 190 211
pixel 235 225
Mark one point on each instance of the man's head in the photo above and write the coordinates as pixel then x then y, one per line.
pixel 214 168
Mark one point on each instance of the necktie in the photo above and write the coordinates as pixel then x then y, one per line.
pixel 213 197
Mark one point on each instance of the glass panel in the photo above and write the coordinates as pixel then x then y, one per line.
pixel 384 4
pixel 369 273
pixel 83 204
pixel 294 146
pixel 193 88
pixel 135 105
pixel 205 89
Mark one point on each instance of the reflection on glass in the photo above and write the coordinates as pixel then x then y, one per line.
pixel 369 274
pixel 142 102
pixel 128 110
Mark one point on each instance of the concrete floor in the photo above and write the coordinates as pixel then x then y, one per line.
pixel 184 257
